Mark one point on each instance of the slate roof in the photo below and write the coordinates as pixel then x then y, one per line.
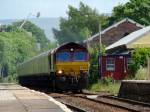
pixel 115 25
pixel 130 38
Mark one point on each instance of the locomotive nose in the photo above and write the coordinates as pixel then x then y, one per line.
pixel 72 68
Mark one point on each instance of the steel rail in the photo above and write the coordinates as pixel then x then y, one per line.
pixel 74 108
pixel 111 104
pixel 128 100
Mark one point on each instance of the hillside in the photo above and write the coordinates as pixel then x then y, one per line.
pixel 44 23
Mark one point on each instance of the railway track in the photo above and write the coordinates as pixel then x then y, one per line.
pixel 91 105
pixel 74 108
pixel 126 103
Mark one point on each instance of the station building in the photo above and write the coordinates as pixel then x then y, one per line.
pixel 118 58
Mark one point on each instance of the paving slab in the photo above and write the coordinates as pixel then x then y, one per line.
pixel 15 98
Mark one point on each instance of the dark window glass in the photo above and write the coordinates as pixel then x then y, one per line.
pixel 63 56
pixel 110 64
pixel 80 56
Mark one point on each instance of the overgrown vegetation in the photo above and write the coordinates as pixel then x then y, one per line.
pixel 105 85
pixel 94 74
pixel 141 74
pixel 139 60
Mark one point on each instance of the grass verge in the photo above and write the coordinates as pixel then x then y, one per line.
pixel 112 87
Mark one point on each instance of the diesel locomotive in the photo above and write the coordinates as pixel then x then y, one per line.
pixel 63 68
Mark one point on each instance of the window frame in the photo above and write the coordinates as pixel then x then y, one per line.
pixel 109 66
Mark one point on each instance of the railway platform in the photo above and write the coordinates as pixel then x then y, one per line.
pixel 15 98
pixel 135 90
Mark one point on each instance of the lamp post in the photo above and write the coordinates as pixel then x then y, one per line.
pixel 88 34
pixel 100 53
pixel 25 20
pixel 100 37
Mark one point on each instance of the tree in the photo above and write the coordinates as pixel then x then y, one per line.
pixel 80 22
pixel 15 48
pixel 52 45
pixel 37 32
pixel 138 10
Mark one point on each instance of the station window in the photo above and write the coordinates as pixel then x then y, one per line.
pixel 129 62
pixel 110 64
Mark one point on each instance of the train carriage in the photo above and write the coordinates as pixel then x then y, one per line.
pixel 63 68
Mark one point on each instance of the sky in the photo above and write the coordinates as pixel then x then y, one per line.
pixel 20 9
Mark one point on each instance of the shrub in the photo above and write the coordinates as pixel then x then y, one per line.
pixel 139 58
pixel 100 86
pixel 1 79
pixel 107 80
pixel 141 74
pixel 94 55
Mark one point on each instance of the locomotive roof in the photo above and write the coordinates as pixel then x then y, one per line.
pixel 68 45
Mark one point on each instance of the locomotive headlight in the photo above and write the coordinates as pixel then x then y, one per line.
pixel 60 71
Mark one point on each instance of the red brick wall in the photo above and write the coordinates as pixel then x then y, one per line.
pixel 115 33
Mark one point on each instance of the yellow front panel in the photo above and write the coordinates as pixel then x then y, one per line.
pixel 72 68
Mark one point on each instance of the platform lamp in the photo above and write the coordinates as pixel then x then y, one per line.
pixel 29 15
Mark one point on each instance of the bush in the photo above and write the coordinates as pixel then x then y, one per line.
pixel 109 87
pixel 107 80
pixel 1 79
pixel 141 74
pixel 139 58
pixel 94 71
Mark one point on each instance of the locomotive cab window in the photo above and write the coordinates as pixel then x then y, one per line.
pixel 80 56
pixel 63 56
pixel 110 64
